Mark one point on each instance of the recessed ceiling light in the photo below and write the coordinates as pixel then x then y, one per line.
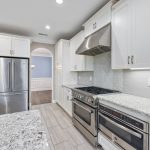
pixel 47 27
pixel 59 1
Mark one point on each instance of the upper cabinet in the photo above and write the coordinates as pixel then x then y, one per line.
pixel 100 19
pixel 14 46
pixel 130 34
pixel 141 27
pixel 5 46
pixel 79 62
pixel 121 35
pixel 20 47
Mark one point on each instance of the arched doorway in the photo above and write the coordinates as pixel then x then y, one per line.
pixel 41 76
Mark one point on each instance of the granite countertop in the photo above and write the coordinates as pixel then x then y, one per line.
pixel 22 131
pixel 134 103
pixel 72 86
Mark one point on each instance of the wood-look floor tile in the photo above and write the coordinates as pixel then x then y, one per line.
pixel 61 133
pixel 76 135
pixel 65 146
pixel 57 135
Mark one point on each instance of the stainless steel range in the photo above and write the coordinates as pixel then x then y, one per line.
pixel 85 110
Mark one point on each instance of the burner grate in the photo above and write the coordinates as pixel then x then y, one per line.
pixel 96 90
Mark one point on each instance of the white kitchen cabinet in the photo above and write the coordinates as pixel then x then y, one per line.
pixel 121 35
pixel 67 100
pixel 5 45
pixel 20 47
pixel 130 34
pixel 97 21
pixel 62 72
pixel 141 28
pixel 14 46
pixel 79 62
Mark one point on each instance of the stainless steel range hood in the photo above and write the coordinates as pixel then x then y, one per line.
pixel 97 43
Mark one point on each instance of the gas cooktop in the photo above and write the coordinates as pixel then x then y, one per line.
pixel 96 90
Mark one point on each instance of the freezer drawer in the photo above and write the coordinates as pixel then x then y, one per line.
pixel 19 75
pixel 13 102
pixel 5 75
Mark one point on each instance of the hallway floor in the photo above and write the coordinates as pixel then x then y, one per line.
pixel 61 133
pixel 41 97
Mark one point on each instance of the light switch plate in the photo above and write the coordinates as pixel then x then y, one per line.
pixel 148 82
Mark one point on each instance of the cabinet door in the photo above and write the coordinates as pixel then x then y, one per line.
pixel 77 61
pixel 67 101
pixel 142 33
pixel 5 45
pixel 103 17
pixel 90 26
pixel 121 35
pixel 20 47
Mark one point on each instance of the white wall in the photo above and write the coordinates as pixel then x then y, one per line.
pixel 136 83
pixel 85 78
pixel 104 76
pixel 41 84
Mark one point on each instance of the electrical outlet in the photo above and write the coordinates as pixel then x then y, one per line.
pixel 148 82
pixel 91 78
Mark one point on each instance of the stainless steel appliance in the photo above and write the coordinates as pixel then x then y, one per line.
pixel 96 43
pixel 85 109
pixel 14 76
pixel 125 131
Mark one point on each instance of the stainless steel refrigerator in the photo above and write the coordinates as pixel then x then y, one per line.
pixel 14 81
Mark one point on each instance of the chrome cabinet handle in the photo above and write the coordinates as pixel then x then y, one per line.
pixel 132 59
pixel 94 26
pixel 128 59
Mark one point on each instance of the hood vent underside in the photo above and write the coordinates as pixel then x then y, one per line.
pixel 97 43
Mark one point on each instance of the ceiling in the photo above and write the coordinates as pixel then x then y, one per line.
pixel 29 17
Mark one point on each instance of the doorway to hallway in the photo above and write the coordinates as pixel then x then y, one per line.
pixel 41 76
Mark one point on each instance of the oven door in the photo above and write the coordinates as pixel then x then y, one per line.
pixel 122 135
pixel 85 115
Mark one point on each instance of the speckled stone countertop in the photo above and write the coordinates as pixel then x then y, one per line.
pixel 22 131
pixel 134 103
pixel 72 86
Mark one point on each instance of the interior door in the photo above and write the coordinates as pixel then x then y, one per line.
pixel 13 102
pixel 5 75
pixel 20 75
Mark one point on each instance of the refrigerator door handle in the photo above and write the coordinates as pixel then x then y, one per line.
pixel 9 75
pixel 13 74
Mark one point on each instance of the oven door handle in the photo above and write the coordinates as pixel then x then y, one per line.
pixel 90 111
pixel 122 127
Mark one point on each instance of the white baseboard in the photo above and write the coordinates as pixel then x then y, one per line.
pixel 41 84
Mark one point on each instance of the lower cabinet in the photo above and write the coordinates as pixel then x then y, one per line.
pixel 105 143
pixel 66 103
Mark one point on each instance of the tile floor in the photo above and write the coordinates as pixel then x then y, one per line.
pixel 41 97
pixel 61 133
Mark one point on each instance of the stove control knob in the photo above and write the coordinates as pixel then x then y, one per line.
pixel 90 100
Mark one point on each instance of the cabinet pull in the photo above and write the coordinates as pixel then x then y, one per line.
pixel 128 59
pixel 132 59
pixel 94 25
